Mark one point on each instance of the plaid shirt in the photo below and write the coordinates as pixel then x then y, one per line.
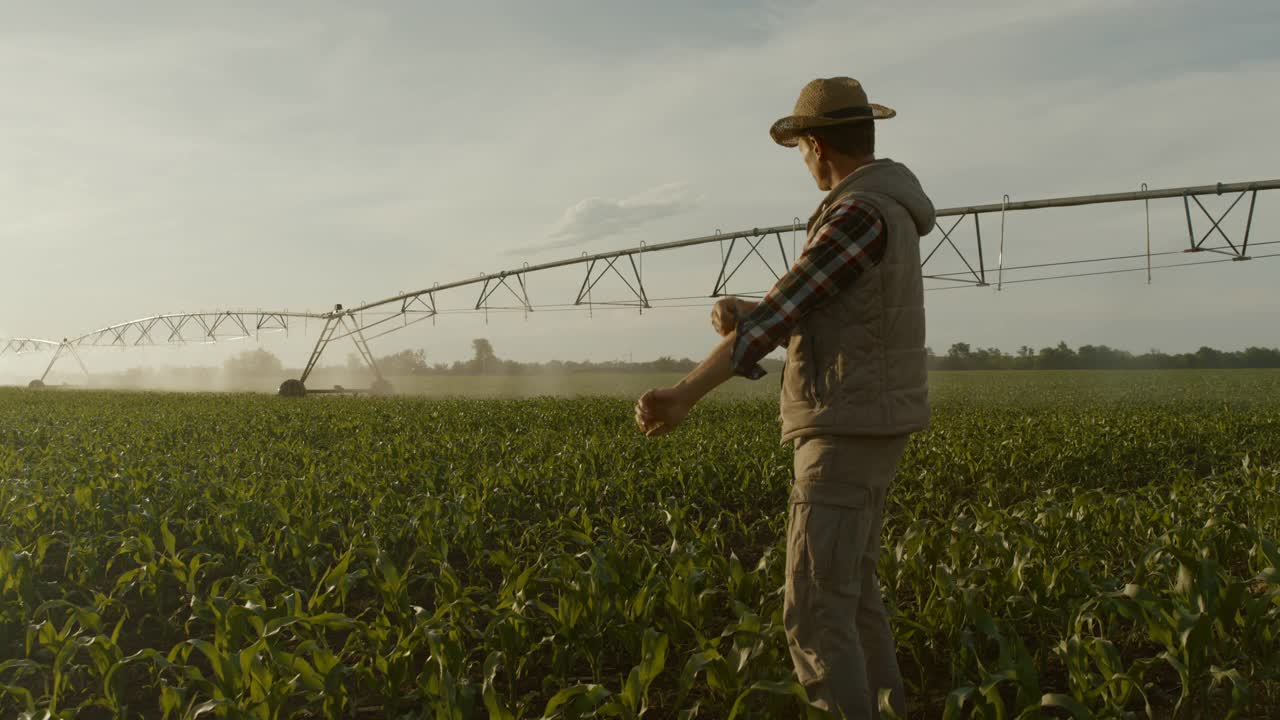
pixel 851 241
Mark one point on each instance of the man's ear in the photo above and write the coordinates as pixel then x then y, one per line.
pixel 819 148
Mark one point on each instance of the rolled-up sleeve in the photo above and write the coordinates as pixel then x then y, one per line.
pixel 849 243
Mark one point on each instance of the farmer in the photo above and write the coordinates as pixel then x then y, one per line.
pixel 854 387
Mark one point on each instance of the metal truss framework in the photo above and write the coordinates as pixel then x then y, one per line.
pixel 339 326
pixel 976 273
pixel 170 329
pixel 369 321
pixel 23 346
pixel 752 244
pixel 190 328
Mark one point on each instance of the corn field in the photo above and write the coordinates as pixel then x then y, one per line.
pixel 1056 545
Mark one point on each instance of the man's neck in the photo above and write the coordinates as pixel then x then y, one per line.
pixel 844 167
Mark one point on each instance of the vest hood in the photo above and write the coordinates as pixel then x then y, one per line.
pixel 895 180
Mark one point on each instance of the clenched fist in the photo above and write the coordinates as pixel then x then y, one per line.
pixel 726 313
pixel 661 410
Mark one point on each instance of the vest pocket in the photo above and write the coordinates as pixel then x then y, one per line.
pixel 809 378
pixel 815 378
pixel 798 371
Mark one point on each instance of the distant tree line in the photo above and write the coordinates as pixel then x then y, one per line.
pixel 484 361
pixel 253 363
pixel 961 356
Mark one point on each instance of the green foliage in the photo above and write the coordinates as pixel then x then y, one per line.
pixel 1051 549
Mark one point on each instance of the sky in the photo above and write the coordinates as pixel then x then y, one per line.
pixel 161 157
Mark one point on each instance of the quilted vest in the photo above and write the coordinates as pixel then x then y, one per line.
pixel 856 365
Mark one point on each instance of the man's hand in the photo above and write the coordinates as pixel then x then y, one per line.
pixel 726 313
pixel 661 410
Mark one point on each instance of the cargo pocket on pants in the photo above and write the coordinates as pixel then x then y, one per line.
pixel 827 534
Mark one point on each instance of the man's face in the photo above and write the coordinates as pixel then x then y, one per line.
pixel 809 152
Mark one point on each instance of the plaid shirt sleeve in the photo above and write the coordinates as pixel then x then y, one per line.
pixel 851 241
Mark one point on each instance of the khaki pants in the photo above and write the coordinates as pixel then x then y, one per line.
pixel 837 627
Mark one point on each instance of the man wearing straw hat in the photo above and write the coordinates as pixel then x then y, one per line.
pixel 854 387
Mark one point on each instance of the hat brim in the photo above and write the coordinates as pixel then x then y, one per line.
pixel 786 132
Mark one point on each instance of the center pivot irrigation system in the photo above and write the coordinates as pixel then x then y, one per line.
pixel 373 320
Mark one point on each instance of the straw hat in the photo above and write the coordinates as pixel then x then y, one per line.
pixel 825 102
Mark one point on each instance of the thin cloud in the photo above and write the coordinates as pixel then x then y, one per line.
pixel 595 218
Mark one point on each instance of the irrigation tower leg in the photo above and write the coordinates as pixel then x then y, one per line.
pixel 65 347
pixel 297 387
pixel 333 323
pixel 380 384
pixel 48 368
pixel 71 349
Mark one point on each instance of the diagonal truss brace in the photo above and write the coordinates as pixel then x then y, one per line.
pixel 362 345
pixel 271 321
pixel 752 248
pixel 607 265
pixel 978 275
pixel 1197 245
pixel 66 347
pixel 184 328
pixel 22 346
pixel 493 282
pixel 341 324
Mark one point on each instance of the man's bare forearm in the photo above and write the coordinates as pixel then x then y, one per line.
pixel 710 373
